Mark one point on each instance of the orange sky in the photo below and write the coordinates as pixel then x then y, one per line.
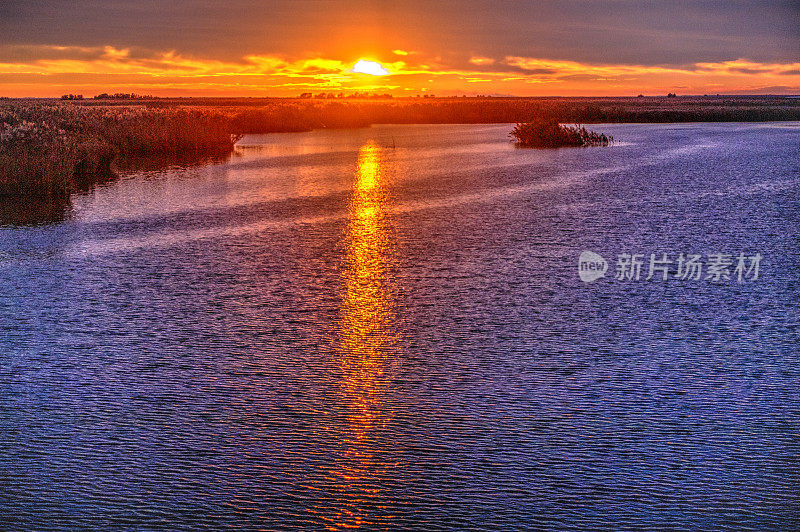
pixel 169 73
pixel 507 47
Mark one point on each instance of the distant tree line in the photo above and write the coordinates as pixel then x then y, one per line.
pixel 115 96
pixel 123 96
pixel 332 96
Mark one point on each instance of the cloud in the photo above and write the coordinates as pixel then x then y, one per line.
pixel 738 66
pixel 743 66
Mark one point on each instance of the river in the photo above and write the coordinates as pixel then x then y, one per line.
pixel 386 328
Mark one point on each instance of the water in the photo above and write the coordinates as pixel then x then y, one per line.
pixel 385 328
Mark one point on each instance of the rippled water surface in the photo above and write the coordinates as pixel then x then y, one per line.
pixel 385 328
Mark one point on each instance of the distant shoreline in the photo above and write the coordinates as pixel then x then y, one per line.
pixel 477 110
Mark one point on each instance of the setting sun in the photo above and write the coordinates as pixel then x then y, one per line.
pixel 369 67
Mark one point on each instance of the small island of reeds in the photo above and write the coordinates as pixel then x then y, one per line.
pixel 548 133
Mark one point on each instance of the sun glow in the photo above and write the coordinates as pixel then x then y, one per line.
pixel 369 67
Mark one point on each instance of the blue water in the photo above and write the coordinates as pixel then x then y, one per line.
pixel 385 328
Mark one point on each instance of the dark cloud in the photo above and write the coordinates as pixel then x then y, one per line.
pixel 612 31
pixel 773 89
pixel 742 70
pixel 31 53
pixel 539 71
pixel 499 66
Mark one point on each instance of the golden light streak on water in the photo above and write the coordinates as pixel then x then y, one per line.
pixel 365 341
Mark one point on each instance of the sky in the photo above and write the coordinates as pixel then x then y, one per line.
pixel 500 47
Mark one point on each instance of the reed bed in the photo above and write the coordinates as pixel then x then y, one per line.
pixel 47 150
pixel 551 134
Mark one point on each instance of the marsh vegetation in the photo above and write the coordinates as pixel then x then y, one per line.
pixel 48 150
pixel 550 134
pixel 51 147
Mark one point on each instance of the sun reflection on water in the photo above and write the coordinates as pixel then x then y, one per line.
pixel 364 345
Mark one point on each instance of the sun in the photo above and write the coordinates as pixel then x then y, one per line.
pixel 369 67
